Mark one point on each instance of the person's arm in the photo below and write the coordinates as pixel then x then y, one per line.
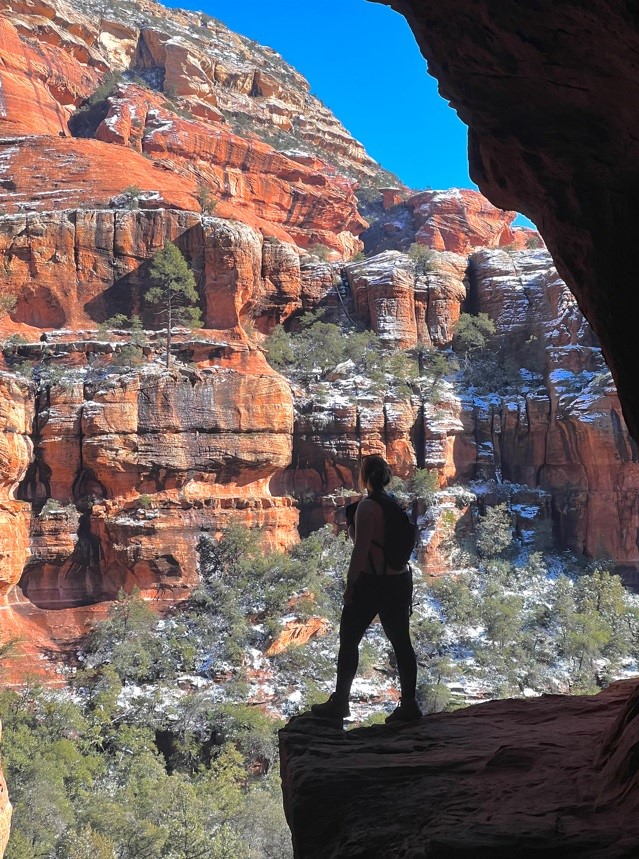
pixel 364 527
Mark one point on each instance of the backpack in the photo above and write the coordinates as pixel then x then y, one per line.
pixel 400 533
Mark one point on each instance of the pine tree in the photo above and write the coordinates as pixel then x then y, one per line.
pixel 472 334
pixel 8 301
pixel 494 531
pixel 173 296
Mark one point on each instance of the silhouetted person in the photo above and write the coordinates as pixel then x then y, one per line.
pixel 374 588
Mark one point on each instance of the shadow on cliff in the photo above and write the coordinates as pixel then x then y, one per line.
pixel 126 295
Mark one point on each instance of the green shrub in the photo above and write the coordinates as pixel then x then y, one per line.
pixel 107 86
pixel 433 698
pixel 206 200
pixel 424 258
pixel 278 348
pixel 424 483
pixel 128 356
pixel 472 333
pixel 492 373
pixel 494 531
pixel 133 194
pixel 128 640
pixel 534 241
pixel 8 301
pixel 458 602
pixel 12 344
pixel 51 506
pixel 322 252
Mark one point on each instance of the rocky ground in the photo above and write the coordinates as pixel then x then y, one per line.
pixel 552 777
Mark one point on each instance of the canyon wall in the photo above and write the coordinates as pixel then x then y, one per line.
pixel 169 109
pixel 557 428
pixel 112 474
pixel 127 129
pixel 127 471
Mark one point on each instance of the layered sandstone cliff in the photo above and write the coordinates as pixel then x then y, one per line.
pixel 556 429
pixel 110 476
pixel 74 269
pixel 173 110
pixel 456 219
pixel 16 448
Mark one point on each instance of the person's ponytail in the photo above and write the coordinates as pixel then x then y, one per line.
pixel 375 471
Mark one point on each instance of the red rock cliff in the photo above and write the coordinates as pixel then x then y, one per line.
pixel 563 433
pixel 169 138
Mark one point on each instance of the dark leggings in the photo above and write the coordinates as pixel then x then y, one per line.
pixel 389 597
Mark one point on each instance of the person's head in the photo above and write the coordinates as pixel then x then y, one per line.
pixel 375 473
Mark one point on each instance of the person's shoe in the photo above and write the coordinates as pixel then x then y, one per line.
pixel 407 711
pixel 334 708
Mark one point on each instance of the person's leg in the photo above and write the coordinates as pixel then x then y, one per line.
pixel 355 620
pixel 395 615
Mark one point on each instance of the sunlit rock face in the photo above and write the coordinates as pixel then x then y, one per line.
pixel 404 307
pixel 191 124
pixel 554 776
pixel 550 97
pixel 16 448
pixel 75 268
pixel 456 219
pixel 560 431
pixel 5 811
pixel 196 450
pixel 460 220
pixel 136 468
pixel 567 437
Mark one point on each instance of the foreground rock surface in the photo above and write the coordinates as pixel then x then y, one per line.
pixel 551 777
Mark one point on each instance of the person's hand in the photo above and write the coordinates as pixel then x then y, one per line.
pixel 348 594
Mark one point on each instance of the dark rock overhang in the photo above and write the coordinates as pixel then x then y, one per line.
pixel 550 778
pixel 550 93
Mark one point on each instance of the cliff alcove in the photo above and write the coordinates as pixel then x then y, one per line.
pixel 549 93
pixel 111 471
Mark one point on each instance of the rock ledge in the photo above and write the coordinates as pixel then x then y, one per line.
pixel 551 777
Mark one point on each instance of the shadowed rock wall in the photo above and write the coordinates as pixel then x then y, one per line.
pixel 552 777
pixel 550 94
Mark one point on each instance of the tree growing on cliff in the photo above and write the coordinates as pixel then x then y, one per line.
pixel 494 531
pixel 8 301
pixel 423 257
pixel 172 297
pixel 472 334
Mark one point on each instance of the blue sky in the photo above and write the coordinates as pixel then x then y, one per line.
pixel 362 61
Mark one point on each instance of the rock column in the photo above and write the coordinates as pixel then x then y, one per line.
pixel 5 811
